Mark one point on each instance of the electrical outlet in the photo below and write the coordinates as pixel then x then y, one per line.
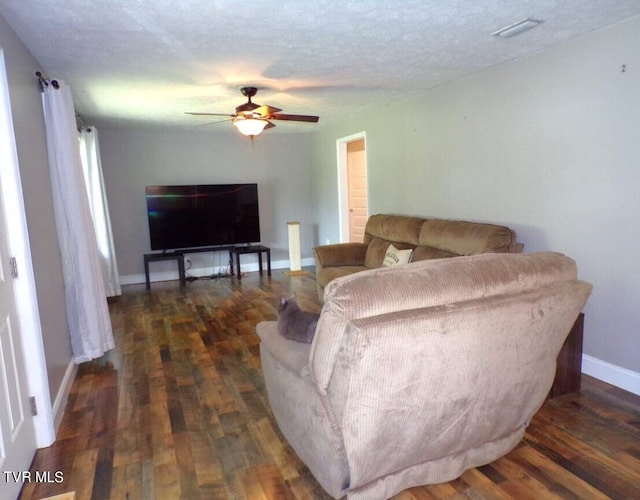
pixel 328 241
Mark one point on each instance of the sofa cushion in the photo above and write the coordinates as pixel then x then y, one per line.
pixel 393 228
pixel 396 257
pixel 466 238
pixel 424 252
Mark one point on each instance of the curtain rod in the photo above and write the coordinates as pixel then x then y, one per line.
pixel 43 82
pixel 80 124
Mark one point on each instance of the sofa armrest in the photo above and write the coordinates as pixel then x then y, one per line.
pixel 291 354
pixel 340 254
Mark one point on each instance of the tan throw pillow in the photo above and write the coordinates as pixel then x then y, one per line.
pixel 395 257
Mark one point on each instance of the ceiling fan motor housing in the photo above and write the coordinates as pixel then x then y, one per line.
pixel 249 92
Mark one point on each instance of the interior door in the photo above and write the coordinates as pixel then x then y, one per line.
pixel 17 432
pixel 17 436
pixel 357 185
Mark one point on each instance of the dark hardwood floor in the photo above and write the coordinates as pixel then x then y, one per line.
pixel 179 411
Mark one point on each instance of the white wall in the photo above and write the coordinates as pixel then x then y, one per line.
pixel 136 157
pixel 548 145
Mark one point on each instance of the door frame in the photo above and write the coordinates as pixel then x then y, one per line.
pixel 343 181
pixel 25 284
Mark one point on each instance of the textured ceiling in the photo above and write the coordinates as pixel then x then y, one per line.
pixel 150 61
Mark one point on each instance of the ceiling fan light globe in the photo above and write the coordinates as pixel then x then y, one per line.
pixel 250 126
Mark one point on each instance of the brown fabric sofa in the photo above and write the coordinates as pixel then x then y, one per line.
pixel 429 239
pixel 419 372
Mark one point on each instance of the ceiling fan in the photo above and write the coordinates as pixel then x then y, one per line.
pixel 252 119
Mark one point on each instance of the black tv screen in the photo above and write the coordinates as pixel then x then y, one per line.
pixel 204 215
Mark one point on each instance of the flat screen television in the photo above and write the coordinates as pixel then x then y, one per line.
pixel 203 215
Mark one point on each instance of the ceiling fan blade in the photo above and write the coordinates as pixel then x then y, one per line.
pixel 295 118
pixel 209 114
pixel 268 125
pixel 213 123
pixel 266 110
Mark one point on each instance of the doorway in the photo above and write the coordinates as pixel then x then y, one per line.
pixel 353 187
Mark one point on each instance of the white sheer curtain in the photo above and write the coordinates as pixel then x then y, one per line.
pixel 87 308
pixel 92 166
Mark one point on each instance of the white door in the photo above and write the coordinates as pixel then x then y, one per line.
pixel 17 432
pixel 17 436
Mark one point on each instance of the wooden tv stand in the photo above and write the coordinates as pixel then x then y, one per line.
pixel 153 257
pixel 234 250
pixel 245 249
pixel 178 255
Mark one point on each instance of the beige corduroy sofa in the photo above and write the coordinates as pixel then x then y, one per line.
pixel 419 372
pixel 428 238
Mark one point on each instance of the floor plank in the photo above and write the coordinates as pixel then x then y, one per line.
pixel 179 411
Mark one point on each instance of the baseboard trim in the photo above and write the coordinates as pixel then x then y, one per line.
pixel 134 279
pixel 62 396
pixel 612 374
